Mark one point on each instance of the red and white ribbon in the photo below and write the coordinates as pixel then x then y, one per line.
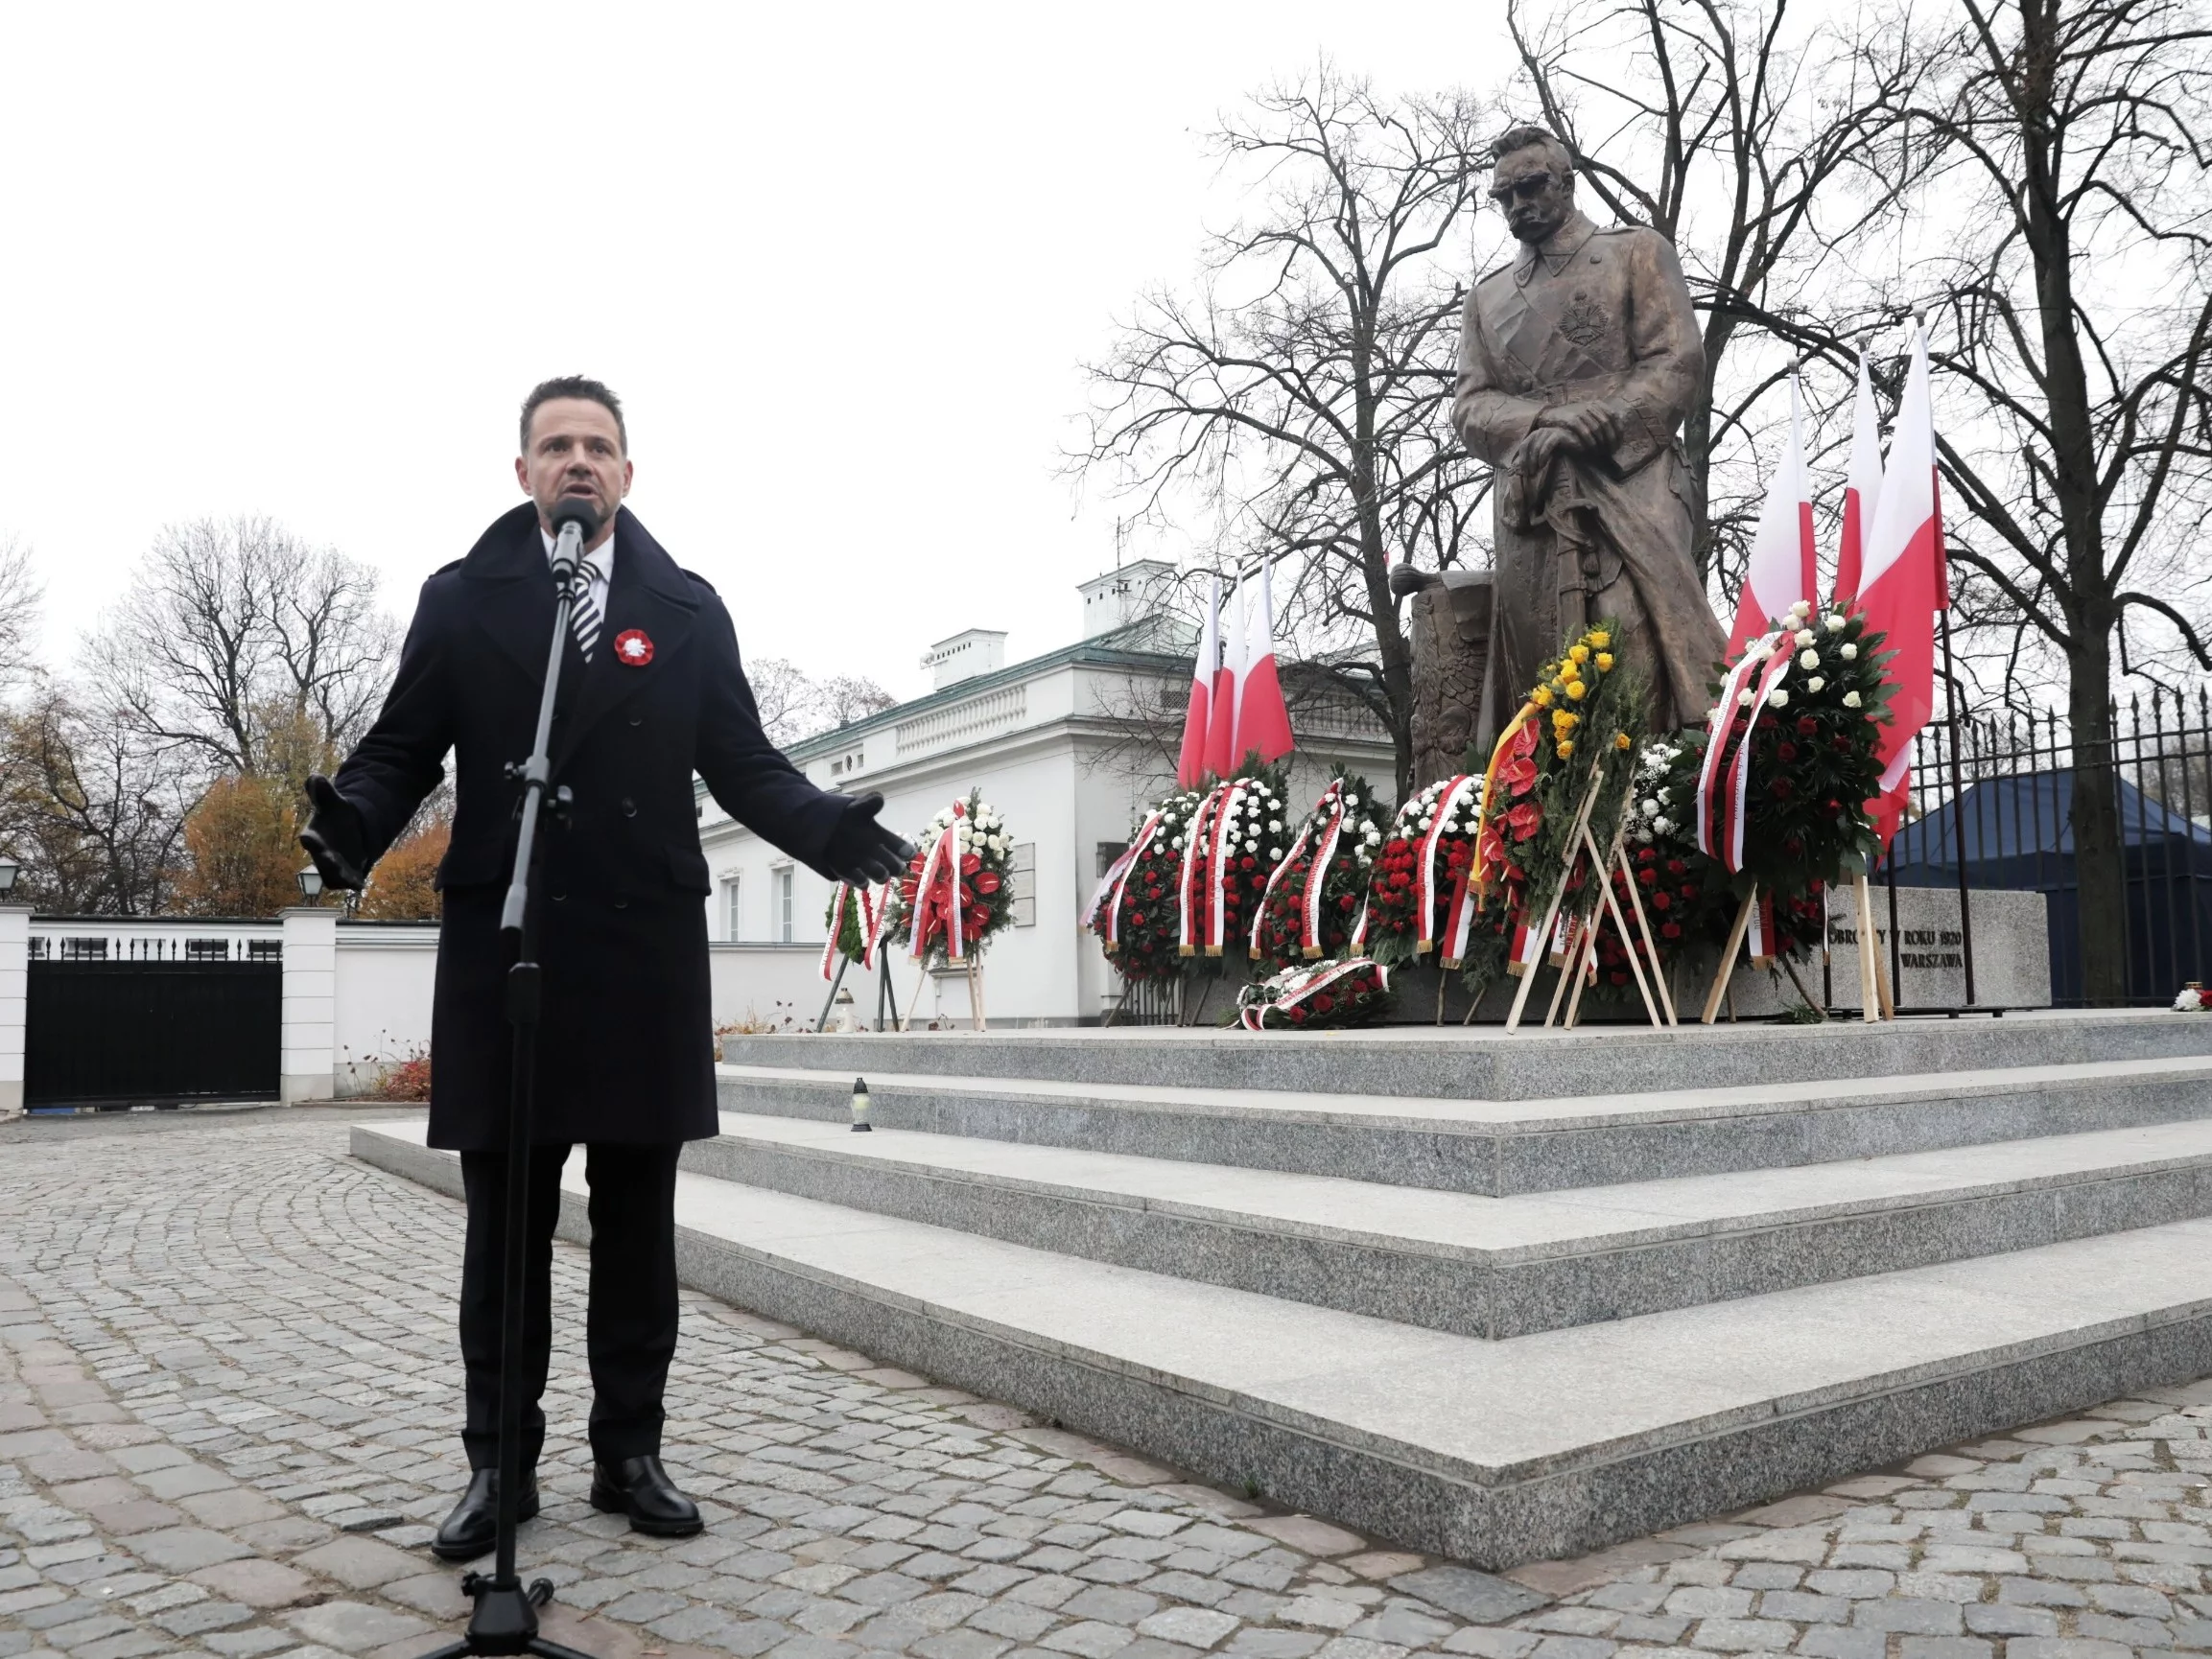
pixel 1425 867
pixel 937 893
pixel 1219 867
pixel 1359 927
pixel 1761 932
pixel 870 907
pixel 1195 834
pixel 1255 1016
pixel 1459 919
pixel 1104 916
pixel 1527 953
pixel 1720 729
pixel 1281 870
pixel 1323 855
pixel 1731 837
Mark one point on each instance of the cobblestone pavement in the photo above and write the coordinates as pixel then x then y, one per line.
pixel 227 1404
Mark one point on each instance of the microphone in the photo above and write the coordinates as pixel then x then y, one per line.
pixel 575 521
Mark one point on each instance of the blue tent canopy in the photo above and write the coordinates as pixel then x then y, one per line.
pixel 2018 835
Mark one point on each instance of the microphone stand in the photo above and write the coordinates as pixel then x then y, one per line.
pixel 505 1619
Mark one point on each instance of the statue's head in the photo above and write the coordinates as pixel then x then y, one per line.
pixel 1532 179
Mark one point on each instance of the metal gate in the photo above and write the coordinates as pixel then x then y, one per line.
pixel 115 1032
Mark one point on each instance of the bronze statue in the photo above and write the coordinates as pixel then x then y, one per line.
pixel 1576 364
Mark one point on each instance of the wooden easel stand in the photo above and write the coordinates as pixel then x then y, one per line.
pixel 1728 956
pixel 1558 897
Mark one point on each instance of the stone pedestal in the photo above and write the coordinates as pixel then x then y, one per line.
pixel 2011 966
pixel 1448 624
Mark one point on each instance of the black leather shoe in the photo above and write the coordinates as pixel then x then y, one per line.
pixel 640 1488
pixel 473 1527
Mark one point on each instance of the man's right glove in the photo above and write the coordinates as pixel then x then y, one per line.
pixel 861 852
pixel 332 836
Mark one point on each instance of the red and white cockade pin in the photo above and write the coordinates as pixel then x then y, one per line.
pixel 633 649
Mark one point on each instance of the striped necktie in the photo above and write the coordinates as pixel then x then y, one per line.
pixel 583 614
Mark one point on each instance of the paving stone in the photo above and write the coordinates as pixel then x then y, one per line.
pixel 258 1583
pixel 1191 1627
pixel 1908 1614
pixel 1831 1642
pixel 354 1626
pixel 966 1529
pixel 1476 1597
pixel 1088 1640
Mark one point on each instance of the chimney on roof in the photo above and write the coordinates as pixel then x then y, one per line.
pixel 1132 593
pixel 966 655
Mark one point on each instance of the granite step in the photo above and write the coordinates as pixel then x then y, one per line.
pixel 1492 1452
pixel 1487 1267
pixel 1511 1146
pixel 1486 1064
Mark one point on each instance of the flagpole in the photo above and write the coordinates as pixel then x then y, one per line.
pixel 1958 800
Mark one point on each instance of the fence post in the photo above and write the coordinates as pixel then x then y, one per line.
pixel 14 989
pixel 308 1070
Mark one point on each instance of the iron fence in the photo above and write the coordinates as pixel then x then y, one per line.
pixel 1997 806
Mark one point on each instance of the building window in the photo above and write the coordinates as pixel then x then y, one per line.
pixel 732 929
pixel 208 950
pixel 781 918
pixel 265 950
pixel 1024 864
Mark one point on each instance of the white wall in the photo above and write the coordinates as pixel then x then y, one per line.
pixel 386 972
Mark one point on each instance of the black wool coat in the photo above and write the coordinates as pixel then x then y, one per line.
pixel 625 1050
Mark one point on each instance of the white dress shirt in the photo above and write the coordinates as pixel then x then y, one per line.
pixel 598 564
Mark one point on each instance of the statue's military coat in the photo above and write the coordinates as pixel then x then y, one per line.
pixel 625 1044
pixel 1591 316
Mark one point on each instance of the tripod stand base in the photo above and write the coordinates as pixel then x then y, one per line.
pixel 504 1622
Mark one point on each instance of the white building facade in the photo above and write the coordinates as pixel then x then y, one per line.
pixel 1071 747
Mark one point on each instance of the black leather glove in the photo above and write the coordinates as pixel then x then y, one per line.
pixel 861 850
pixel 332 836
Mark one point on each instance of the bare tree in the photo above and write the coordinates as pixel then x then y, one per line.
pixel 785 697
pixel 21 593
pixel 1297 393
pixel 843 698
pixel 795 706
pixel 234 629
pixel 93 810
pixel 2070 287
pixel 1748 144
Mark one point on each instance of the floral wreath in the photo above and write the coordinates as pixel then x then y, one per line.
pixel 1301 917
pixel 1315 996
pixel 1183 892
pixel 957 888
pixel 1576 733
pixel 1423 895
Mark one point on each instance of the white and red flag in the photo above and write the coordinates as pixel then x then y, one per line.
pixel 1903 583
pixel 1197 722
pixel 1862 491
pixel 1221 751
pixel 1262 720
pixel 1783 568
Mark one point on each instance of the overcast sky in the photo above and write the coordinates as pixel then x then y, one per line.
pixel 841 264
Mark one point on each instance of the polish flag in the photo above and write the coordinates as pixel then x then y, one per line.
pixel 1862 490
pixel 1782 568
pixel 1221 754
pixel 1262 720
pixel 1902 585
pixel 1191 765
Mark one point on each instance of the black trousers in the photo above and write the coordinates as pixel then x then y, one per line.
pixel 630 1329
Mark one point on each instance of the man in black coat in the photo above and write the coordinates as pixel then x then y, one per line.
pixel 651 690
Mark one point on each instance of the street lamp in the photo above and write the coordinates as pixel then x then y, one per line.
pixel 7 872
pixel 310 885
